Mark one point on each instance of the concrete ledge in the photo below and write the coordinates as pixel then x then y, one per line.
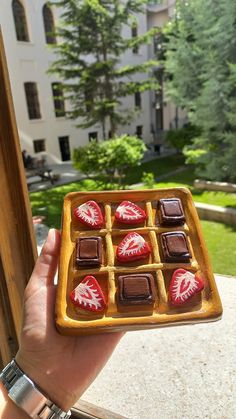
pixel 216 213
pixel 214 186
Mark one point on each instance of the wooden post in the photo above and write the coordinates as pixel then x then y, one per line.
pixel 18 249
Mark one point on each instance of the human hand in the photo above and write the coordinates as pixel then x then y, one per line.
pixel 62 366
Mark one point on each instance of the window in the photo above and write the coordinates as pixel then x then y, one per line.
pixel 59 104
pixel 159 101
pixel 139 131
pixel 138 100
pixel 134 34
pixel 93 136
pixel 158 46
pixel 20 21
pixel 49 26
pixel 32 100
pixel 64 145
pixel 39 145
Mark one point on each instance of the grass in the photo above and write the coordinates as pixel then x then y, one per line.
pixel 220 239
pixel 158 167
pixel 186 179
pixel 221 244
pixel 49 202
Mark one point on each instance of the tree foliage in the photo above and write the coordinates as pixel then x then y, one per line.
pixel 88 59
pixel 181 137
pixel 112 157
pixel 201 69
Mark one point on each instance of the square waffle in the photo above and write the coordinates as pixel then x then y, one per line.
pixel 111 275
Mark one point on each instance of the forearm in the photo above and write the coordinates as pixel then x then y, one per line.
pixel 8 409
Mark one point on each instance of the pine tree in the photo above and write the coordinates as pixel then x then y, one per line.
pixel 88 60
pixel 201 67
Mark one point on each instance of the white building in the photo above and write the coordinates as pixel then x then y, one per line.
pixel 43 129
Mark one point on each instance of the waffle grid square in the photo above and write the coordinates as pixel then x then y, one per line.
pixel 71 320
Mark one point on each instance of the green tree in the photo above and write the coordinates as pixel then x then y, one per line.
pixel 201 69
pixel 88 56
pixel 112 158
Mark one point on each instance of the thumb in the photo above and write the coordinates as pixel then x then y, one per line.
pixel 46 265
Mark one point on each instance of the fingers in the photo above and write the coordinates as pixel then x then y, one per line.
pixel 46 265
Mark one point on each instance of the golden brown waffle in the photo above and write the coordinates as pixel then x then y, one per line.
pixel 205 306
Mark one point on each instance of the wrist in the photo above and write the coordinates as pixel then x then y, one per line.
pixel 43 377
pixel 8 409
pixel 27 396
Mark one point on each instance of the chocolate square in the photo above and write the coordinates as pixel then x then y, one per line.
pixel 89 251
pixel 136 289
pixel 171 211
pixel 175 247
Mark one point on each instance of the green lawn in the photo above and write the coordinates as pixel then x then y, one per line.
pixel 186 179
pixel 49 203
pixel 221 244
pixel 221 239
pixel 158 167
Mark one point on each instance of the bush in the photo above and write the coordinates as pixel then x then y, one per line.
pixel 87 159
pixel 148 180
pixel 181 137
pixel 111 157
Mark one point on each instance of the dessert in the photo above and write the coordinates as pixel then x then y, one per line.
pixel 89 214
pixel 116 275
pixel 89 251
pixel 132 247
pixel 184 285
pixel 171 212
pixel 129 213
pixel 175 247
pixel 136 289
pixel 88 295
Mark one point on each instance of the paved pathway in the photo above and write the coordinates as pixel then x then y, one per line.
pixel 68 174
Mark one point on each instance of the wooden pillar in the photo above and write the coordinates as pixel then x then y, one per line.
pixel 18 249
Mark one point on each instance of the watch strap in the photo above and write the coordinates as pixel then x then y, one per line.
pixel 22 390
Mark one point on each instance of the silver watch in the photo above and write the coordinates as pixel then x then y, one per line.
pixel 27 396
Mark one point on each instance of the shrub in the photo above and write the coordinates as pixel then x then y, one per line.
pixel 181 137
pixel 111 157
pixel 148 180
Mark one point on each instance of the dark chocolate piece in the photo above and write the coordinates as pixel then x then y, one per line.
pixel 136 289
pixel 89 251
pixel 175 247
pixel 171 212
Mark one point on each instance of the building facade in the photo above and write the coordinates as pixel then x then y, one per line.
pixel 40 112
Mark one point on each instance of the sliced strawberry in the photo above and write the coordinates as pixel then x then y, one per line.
pixel 90 214
pixel 132 247
pixel 88 295
pixel 184 285
pixel 129 213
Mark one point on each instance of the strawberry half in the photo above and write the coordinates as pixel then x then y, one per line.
pixel 184 285
pixel 129 213
pixel 90 214
pixel 132 247
pixel 88 295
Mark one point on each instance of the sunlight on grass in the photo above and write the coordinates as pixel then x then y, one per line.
pixel 221 244
pixel 223 199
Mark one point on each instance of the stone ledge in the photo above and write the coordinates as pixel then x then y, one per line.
pixel 214 186
pixel 216 213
